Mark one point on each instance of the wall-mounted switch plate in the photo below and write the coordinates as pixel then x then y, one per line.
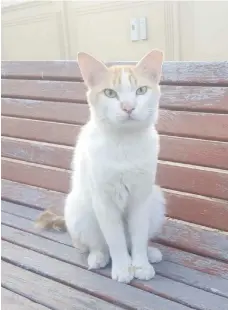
pixel 134 29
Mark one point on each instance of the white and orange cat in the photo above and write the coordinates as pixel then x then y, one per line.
pixel 114 205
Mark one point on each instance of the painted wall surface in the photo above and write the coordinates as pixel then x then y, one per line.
pixel 48 30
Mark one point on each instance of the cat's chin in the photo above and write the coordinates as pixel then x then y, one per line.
pixel 132 123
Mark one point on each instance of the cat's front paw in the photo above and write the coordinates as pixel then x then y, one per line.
pixel 144 271
pixel 123 272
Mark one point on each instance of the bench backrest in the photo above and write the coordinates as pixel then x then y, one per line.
pixel 44 105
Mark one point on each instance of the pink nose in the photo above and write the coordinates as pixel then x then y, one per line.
pixel 127 108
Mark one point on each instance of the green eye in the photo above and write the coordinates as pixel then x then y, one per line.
pixel 110 93
pixel 141 90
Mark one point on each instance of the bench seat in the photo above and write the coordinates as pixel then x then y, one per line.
pixel 43 108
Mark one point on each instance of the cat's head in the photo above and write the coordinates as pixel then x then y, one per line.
pixel 123 96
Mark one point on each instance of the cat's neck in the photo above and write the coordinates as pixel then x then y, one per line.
pixel 121 132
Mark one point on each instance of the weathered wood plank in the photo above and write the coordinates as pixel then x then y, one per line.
pixel 206 125
pixel 46 110
pixel 39 130
pixel 195 98
pixel 175 71
pixel 173 271
pixel 196 239
pixel 37 152
pixel 193 238
pixel 176 149
pixel 27 225
pixel 197 209
pixel 201 210
pixel 82 279
pixel 170 175
pixel 34 196
pixel 177 123
pixel 44 90
pixel 194 151
pixel 191 98
pixel 13 301
pixel 193 179
pixel 52 294
pixel 193 261
pixel 36 175
pixel 62 70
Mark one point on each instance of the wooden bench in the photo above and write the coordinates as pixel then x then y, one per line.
pixel 43 107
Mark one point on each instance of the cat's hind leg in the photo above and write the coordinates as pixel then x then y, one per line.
pixel 156 222
pixel 85 232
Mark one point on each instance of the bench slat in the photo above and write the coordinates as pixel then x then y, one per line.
pixel 194 124
pixel 188 237
pixel 187 150
pixel 178 97
pixel 159 285
pixel 178 123
pixel 193 179
pixel 194 151
pixel 171 254
pixel 65 112
pixel 209 212
pixel 13 301
pixel 167 269
pixel 63 297
pixel 85 280
pixel 169 175
pixel 194 98
pixel 47 90
pixel 197 209
pixel 175 72
pixel 37 197
pixel 40 130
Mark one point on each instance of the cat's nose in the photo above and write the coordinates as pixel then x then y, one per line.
pixel 127 107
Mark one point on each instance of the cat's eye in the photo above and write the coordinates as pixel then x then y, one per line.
pixel 141 90
pixel 110 93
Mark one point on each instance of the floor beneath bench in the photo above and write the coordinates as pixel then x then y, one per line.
pixel 41 270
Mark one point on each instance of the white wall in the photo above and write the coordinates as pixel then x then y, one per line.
pixel 185 30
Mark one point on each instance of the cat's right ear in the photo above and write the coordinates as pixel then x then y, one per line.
pixel 93 71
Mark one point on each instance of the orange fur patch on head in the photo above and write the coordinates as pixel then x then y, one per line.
pixel 117 74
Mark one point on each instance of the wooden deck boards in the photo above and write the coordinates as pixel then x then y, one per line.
pixel 41 270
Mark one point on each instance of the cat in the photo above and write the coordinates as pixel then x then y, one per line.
pixel 114 206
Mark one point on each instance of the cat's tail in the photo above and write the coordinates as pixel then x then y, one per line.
pixel 51 219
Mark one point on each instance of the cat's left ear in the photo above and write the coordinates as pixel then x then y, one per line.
pixel 93 71
pixel 151 65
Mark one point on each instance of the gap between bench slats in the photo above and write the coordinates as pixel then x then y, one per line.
pixel 173 71
pixel 160 286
